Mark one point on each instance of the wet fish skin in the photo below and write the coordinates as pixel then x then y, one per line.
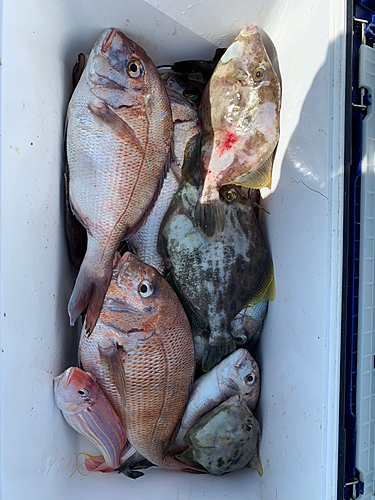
pixel 184 105
pixel 236 374
pixel 118 140
pixel 151 368
pixel 247 325
pixel 240 117
pixel 86 409
pixel 225 439
pixel 217 276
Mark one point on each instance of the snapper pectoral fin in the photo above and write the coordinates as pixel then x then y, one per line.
pixel 257 177
pixel 103 112
pixel 214 353
pixel 210 217
pixel 109 352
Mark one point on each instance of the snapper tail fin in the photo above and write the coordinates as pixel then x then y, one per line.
pixel 89 291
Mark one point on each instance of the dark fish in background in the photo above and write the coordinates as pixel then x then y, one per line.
pixel 216 276
pixel 142 353
pixel 225 439
pixel 236 374
pixel 119 130
pixel 205 68
pixel 184 100
pixel 240 125
pixel 75 232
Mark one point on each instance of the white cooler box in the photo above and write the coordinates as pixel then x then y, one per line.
pixel 299 350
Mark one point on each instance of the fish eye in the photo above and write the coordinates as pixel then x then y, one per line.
pixel 249 378
pixel 189 94
pixel 248 428
pixel 240 339
pixel 83 392
pixel 230 196
pixel 259 74
pixel 145 288
pixel 134 68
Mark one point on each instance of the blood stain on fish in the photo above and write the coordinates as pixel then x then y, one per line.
pixel 229 142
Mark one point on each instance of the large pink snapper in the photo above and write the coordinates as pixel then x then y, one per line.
pixel 119 130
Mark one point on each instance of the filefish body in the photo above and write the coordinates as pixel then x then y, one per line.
pixel 143 337
pixel 184 104
pixel 118 140
pixel 247 325
pixel 217 276
pixel 236 374
pixel 240 116
pixel 86 409
pixel 225 439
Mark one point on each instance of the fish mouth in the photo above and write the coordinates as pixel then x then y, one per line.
pixel 107 42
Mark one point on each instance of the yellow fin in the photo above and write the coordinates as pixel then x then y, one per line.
pixel 266 288
pixel 258 177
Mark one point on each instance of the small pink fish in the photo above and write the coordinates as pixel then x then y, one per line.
pixel 86 409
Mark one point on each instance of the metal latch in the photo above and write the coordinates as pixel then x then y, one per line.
pixel 356 485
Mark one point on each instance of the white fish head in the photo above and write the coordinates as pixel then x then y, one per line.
pixel 242 376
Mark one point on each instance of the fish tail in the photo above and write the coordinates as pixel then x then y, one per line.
pixel 257 177
pixel 213 354
pixel 89 291
pixel 210 217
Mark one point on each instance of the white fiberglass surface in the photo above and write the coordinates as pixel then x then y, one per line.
pixel 299 345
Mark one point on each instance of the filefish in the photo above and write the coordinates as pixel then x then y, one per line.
pixel 236 374
pixel 217 276
pixel 184 100
pixel 240 125
pixel 247 325
pixel 119 131
pixel 142 353
pixel 225 439
pixel 86 409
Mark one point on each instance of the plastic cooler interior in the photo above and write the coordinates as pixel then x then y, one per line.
pixel 299 348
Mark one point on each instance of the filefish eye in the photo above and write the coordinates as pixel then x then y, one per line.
pixel 259 74
pixel 248 428
pixel 240 339
pixel 249 378
pixel 83 392
pixel 134 68
pixel 230 196
pixel 189 94
pixel 145 288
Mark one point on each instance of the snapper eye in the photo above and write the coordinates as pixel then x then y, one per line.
pixel 145 288
pixel 259 75
pixel 83 392
pixel 230 196
pixel 249 379
pixel 134 68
